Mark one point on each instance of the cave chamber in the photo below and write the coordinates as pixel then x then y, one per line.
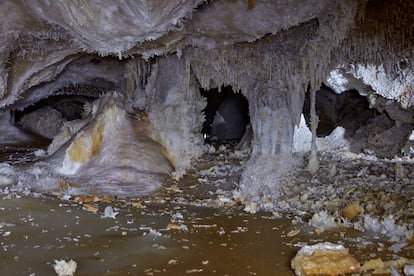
pixel 59 72
pixel 278 106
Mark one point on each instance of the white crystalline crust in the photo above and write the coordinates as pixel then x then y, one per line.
pixel 396 232
pixel 397 87
pixel 309 249
pixel 302 137
pixel 64 268
pixel 387 226
pixel 109 213
pixel 323 221
pixel 338 82
pixel 409 270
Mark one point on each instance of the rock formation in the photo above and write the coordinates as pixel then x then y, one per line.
pixel 159 54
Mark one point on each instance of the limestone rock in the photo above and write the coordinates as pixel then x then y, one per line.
pixel 324 259
pixel 45 122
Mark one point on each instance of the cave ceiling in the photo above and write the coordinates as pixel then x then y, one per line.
pixel 41 38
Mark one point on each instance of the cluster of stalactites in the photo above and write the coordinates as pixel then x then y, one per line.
pixel 291 59
pixel 385 37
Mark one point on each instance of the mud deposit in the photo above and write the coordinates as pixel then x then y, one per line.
pixel 195 225
pixel 35 232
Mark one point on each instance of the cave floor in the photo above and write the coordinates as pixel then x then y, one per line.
pixel 194 226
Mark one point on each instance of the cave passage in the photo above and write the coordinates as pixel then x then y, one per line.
pixel 46 117
pixel 349 110
pixel 226 114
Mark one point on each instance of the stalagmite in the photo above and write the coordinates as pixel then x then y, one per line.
pixel 114 151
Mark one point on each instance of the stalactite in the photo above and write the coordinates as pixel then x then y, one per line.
pixel 137 72
pixel 383 37
pixel 313 164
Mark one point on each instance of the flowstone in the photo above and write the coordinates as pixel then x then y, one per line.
pixel 114 152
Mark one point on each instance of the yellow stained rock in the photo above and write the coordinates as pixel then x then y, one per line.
pixel 351 211
pixel 78 151
pixel 324 262
pixel 88 198
pixel 138 205
pixel 63 185
pixel 57 193
pixel 107 199
pixel 410 240
pixel 377 266
pixel 293 232
pixel 373 265
pixel 90 208
pixel 173 226
pixel 83 148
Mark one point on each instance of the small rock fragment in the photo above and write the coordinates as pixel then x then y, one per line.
pixel 109 213
pixel 399 171
pixel 90 208
pixel 293 232
pixel 172 262
pixel 63 268
pixel 251 207
pixel 138 205
pixel 322 221
pixel 409 270
pixel 376 266
pixel 351 211
pixel 195 270
pixel 324 259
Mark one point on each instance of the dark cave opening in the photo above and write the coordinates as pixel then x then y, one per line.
pixel 349 110
pixel 226 114
pixel 46 117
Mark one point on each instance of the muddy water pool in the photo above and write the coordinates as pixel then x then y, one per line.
pixel 158 239
pixel 177 231
pixel 35 232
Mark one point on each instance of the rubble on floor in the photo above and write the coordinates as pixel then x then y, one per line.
pixel 350 191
